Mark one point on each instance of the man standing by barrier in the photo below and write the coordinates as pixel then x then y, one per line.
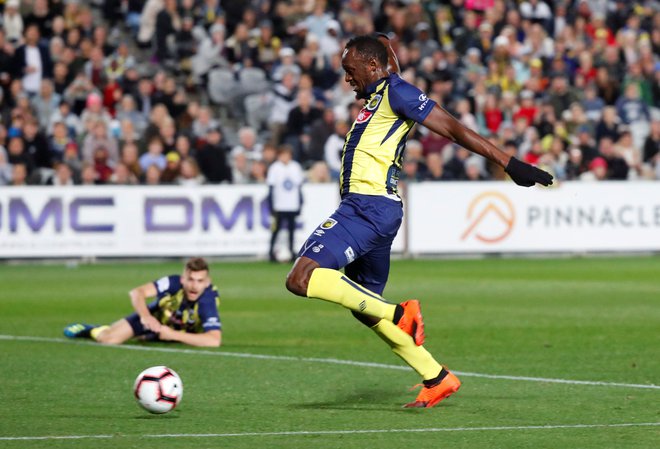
pixel 285 179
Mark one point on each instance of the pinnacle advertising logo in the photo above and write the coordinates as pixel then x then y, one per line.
pixel 491 218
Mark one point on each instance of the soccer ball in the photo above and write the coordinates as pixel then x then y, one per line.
pixel 158 389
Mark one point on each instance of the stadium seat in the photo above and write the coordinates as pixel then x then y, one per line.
pixel 252 80
pixel 222 86
pixel 257 110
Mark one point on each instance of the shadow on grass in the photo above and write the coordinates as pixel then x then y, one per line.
pixel 157 416
pixel 368 400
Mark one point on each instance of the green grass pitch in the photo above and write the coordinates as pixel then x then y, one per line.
pixel 283 378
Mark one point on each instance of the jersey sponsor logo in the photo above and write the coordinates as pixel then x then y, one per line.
pixel 329 223
pixel 317 249
pixel 422 97
pixel 319 232
pixel 393 175
pixel 350 254
pixel 374 102
pixel 163 284
pixel 491 218
pixel 425 102
pixel 212 321
pixel 363 116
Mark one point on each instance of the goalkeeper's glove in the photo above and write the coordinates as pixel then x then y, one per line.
pixel 527 175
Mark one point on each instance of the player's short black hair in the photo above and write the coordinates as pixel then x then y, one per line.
pixel 369 47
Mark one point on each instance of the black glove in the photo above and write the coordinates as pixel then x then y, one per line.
pixel 527 175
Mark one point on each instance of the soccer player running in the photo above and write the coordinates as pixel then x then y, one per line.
pixel 185 309
pixel 358 235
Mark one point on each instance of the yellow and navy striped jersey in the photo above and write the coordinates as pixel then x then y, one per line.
pixel 374 147
pixel 174 310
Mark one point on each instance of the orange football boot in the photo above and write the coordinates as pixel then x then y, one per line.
pixel 411 322
pixel 430 396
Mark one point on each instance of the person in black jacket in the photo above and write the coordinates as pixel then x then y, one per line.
pixel 212 158
pixel 168 24
pixel 32 61
pixel 617 167
pixel 6 61
pixel 299 123
pixel 36 145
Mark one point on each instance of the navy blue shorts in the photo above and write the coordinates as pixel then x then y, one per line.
pixel 358 236
pixel 138 328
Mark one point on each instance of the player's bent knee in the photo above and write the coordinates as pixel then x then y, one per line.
pixel 111 337
pixel 297 281
pixel 298 278
pixel 296 285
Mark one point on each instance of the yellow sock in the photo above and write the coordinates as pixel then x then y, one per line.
pixel 334 286
pixel 404 346
pixel 94 333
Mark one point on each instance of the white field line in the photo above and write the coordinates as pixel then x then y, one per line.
pixel 320 360
pixel 337 432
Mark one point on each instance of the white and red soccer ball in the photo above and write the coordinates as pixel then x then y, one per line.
pixel 158 389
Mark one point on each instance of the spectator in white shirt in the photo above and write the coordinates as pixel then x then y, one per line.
pixel 285 180
pixel 12 21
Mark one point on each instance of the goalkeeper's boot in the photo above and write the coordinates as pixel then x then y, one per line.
pixel 431 395
pixel 411 322
pixel 78 330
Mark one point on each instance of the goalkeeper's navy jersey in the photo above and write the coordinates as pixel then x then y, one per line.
pixel 174 310
pixel 374 147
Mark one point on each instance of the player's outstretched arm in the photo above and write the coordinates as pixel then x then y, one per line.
pixel 442 122
pixel 206 339
pixel 139 297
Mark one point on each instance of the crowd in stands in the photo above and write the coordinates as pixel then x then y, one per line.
pixel 204 91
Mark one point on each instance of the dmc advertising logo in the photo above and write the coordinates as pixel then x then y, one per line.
pixel 491 217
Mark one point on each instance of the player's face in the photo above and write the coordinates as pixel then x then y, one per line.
pixel 359 73
pixel 194 283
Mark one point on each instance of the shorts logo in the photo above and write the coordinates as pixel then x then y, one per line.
pixel 350 254
pixel 329 223
pixel 362 306
pixel 363 116
pixel 308 244
pixel 317 249
pixel 374 102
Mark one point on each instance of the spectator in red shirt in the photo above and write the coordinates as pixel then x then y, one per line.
pixel 586 68
pixel 534 154
pixel 101 165
pixel 528 109
pixel 492 114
